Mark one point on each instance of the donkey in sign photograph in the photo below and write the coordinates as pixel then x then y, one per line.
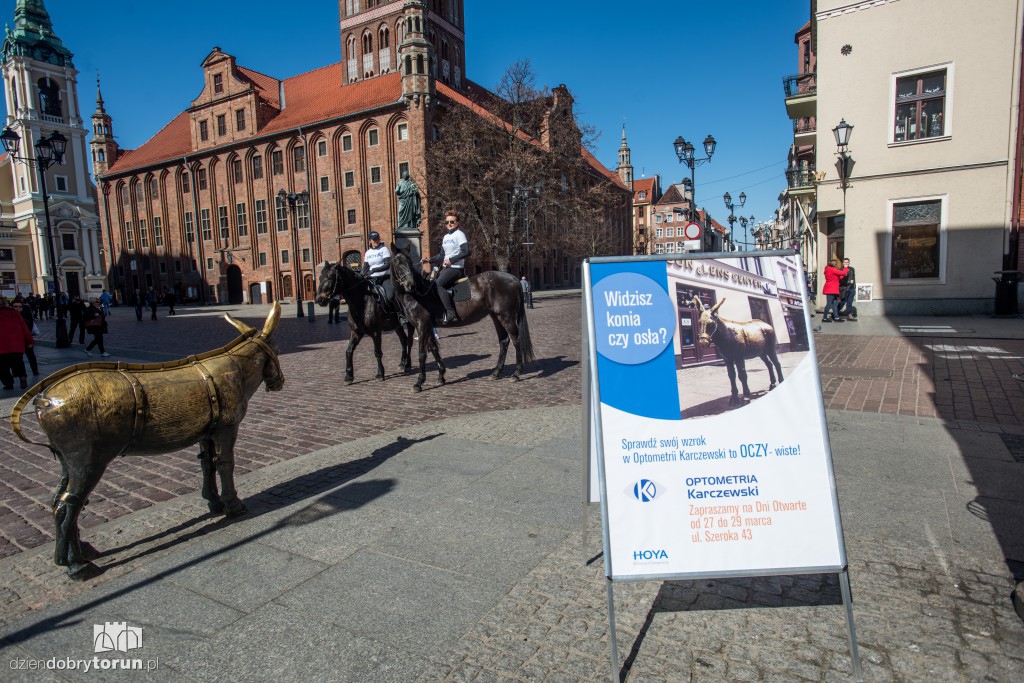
pixel 736 342
pixel 92 413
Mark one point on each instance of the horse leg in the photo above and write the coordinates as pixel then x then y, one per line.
pixel 426 334
pixel 730 367
pixel 773 354
pixel 379 355
pixel 68 547
pixel 224 443
pixel 353 341
pixel 436 351
pixel 210 494
pixel 503 336
pixel 406 341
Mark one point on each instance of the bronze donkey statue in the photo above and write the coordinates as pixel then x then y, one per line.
pixel 736 342
pixel 93 412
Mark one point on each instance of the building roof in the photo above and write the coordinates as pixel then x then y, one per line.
pixel 310 98
pixel 644 185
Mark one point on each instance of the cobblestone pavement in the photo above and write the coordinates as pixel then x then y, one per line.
pixel 930 590
pixel 314 410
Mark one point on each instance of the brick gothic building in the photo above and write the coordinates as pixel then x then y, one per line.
pixel 195 208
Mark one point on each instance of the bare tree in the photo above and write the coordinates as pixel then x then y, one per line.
pixel 515 158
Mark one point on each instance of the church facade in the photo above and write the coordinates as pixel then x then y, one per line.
pixel 240 197
pixel 41 93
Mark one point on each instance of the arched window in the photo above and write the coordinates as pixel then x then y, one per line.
pixel 419 64
pixel 367 43
pixel 49 97
pixel 14 94
pixel 385 38
pixel 408 65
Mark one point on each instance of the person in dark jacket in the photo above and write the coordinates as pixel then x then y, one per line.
pixel 169 301
pixel 75 309
pixel 848 292
pixel 94 321
pixel 153 300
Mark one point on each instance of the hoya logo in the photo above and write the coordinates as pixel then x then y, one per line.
pixel 650 555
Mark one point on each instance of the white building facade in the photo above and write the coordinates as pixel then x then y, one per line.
pixel 931 88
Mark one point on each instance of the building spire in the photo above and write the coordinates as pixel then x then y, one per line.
pixel 33 36
pixel 99 95
pixel 625 167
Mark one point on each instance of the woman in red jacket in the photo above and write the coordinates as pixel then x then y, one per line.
pixel 833 274
pixel 15 337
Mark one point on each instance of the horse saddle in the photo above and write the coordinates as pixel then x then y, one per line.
pixel 460 290
pixel 389 306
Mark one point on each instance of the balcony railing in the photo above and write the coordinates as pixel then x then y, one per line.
pixel 800 178
pixel 807 124
pixel 801 84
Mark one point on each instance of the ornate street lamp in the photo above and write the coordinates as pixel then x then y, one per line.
pixel 527 197
pixel 844 164
pixel 684 150
pixel 732 216
pixel 49 151
pixel 294 200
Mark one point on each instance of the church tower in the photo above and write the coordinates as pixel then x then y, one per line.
pixel 103 145
pixel 418 58
pixel 41 92
pixel 625 167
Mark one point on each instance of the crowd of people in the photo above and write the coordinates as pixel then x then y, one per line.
pixel 840 291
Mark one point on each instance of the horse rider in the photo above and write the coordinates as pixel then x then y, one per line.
pixel 377 267
pixel 454 250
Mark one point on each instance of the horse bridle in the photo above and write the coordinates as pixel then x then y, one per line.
pixel 359 283
pixel 415 285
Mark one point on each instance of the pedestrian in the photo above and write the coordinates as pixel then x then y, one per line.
pixel 75 309
pixel 833 274
pixel 26 313
pixel 452 257
pixel 848 292
pixel 153 300
pixel 527 292
pixel 169 301
pixel 334 309
pixel 105 302
pixel 137 300
pixel 15 337
pixel 96 323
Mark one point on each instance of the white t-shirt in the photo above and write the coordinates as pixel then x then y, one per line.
pixel 452 244
pixel 376 261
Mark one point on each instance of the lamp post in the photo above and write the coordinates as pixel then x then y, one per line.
pixel 844 164
pixel 527 197
pixel 49 151
pixel 684 150
pixel 729 204
pixel 294 200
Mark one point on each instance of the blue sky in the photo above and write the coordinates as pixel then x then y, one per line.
pixel 664 67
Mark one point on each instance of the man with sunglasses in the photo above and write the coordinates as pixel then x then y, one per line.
pixel 452 257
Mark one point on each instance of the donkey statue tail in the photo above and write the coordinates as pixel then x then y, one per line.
pixel 20 406
pixel 525 344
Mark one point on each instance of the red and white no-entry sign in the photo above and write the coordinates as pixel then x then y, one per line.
pixel 692 231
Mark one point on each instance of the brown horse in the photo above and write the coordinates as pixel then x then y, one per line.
pixel 491 293
pixel 94 412
pixel 736 342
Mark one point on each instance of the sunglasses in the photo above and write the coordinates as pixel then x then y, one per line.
pixel 451 222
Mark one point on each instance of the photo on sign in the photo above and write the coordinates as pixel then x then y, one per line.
pixel 740 328
pixel 864 292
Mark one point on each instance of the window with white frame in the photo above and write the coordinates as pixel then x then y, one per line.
pixel 241 220
pixel 670 232
pixel 920 105
pixel 261 216
pixel 281 217
pixel 346 143
pixel 659 248
pixel 403 131
pixel 916 240
pixel 375 174
pixel 204 222
pixel 60 183
pixel 658 232
pixel 222 220
pixel 325 183
pixel 373 137
pixel 190 228
pixel 321 148
pixel 143 234
pixel 158 232
pixel 670 247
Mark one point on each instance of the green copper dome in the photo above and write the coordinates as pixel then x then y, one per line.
pixel 33 36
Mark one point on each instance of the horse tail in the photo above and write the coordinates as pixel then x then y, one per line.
pixel 525 345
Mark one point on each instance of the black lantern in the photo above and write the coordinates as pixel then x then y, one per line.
pixel 709 146
pixel 11 142
pixel 842 133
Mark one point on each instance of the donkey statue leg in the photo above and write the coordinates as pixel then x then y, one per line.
pixel 68 550
pixel 210 493
pixel 224 443
pixel 741 370
pixel 730 367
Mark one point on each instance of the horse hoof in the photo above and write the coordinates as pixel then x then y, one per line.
pixel 379 378
pixel 771 386
pixel 516 378
pixel 495 375
pixel 82 571
pixel 348 380
pixel 235 509
pixel 417 388
pixel 216 507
